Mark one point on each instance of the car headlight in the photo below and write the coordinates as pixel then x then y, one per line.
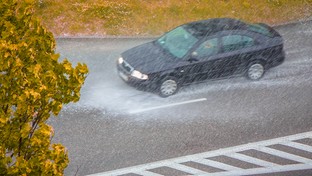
pixel 120 60
pixel 139 75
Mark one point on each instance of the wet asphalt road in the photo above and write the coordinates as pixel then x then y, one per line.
pixel 108 128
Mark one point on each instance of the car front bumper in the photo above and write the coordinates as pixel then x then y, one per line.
pixel 145 85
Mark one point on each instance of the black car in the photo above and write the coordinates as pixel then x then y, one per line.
pixel 202 50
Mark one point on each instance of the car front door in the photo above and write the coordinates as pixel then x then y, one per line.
pixel 203 62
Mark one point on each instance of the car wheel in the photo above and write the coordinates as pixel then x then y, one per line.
pixel 255 71
pixel 168 86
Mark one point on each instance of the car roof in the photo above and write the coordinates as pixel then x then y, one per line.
pixel 212 26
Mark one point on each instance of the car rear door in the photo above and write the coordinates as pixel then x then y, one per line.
pixel 236 50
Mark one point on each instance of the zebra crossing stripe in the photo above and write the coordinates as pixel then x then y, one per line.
pixel 284 155
pixel 262 170
pixel 298 146
pixel 216 164
pixel 252 160
pixel 291 141
pixel 147 173
pixel 186 169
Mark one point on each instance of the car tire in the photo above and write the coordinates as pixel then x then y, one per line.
pixel 255 71
pixel 168 86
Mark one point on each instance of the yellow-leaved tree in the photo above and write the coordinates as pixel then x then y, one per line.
pixel 33 86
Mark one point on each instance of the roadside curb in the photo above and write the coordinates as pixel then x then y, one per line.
pixel 295 22
pixel 107 37
pixel 305 20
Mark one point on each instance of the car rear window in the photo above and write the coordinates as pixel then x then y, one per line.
pixel 235 42
pixel 260 29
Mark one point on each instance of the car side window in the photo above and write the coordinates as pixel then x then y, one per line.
pixel 235 42
pixel 207 48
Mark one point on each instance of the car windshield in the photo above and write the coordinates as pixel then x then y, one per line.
pixel 177 42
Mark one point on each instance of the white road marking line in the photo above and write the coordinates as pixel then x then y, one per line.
pixel 147 173
pixel 186 169
pixel 284 155
pixel 298 146
pixel 167 106
pixel 258 146
pixel 252 160
pixel 135 169
pixel 262 170
pixel 216 164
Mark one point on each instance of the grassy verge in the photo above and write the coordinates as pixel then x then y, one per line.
pixel 153 17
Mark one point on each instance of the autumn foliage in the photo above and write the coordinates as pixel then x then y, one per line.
pixel 33 86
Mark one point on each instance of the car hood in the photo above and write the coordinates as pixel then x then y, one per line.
pixel 149 58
